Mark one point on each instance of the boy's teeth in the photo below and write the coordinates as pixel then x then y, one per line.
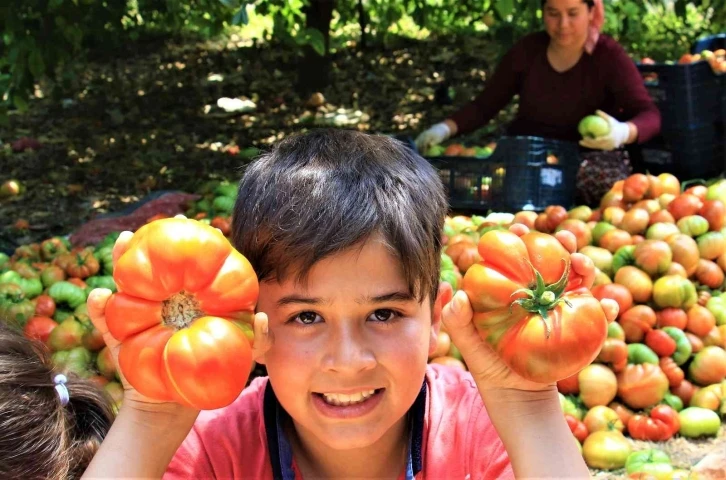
pixel 341 399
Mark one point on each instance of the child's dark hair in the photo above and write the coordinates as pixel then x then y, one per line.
pixel 39 437
pixel 320 193
pixel 589 3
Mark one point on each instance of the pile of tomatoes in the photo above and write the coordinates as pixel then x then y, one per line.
pixel 660 253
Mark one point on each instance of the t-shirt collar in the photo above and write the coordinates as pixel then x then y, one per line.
pixel 280 449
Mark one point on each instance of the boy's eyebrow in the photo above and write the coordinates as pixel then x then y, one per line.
pixel 397 296
pixel 388 297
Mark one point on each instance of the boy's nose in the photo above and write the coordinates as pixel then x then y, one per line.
pixel 347 351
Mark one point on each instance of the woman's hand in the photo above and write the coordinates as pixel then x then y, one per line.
pixel 620 134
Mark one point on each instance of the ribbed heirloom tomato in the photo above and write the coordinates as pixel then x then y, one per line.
pixel 539 319
pixel 183 314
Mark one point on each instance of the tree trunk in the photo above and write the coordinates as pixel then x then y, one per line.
pixel 314 70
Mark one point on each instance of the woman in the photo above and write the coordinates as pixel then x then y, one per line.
pixel 561 75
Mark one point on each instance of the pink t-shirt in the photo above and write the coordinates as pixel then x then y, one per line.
pixel 457 440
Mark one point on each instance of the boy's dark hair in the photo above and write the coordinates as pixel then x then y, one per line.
pixel 39 437
pixel 589 3
pixel 322 192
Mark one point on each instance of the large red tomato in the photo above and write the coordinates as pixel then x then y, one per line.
pixel 531 309
pixel 183 314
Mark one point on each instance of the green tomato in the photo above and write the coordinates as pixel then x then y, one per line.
pixel 66 292
pixel 637 460
pixel 101 281
pixel 660 231
pixel 673 401
pixel 4 260
pixel 717 306
pixel 623 256
pixel 601 257
pixel 450 277
pixel 446 262
pixel 640 353
pixel 717 191
pixel 683 345
pixel 616 331
pixel 697 421
pixel 571 405
pixel 693 225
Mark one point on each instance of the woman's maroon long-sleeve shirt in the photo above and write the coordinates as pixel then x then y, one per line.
pixel 551 104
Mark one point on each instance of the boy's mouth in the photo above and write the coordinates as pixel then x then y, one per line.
pixel 344 400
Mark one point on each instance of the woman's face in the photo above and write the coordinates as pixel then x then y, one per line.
pixel 567 21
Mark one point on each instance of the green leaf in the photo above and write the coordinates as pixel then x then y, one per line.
pixel 241 17
pixel 230 3
pixel 20 102
pixel 314 38
pixel 54 4
pixel 504 7
pixel 36 64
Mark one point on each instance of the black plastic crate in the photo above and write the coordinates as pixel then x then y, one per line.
pixel 686 95
pixel 712 42
pixel 516 176
pixel 688 153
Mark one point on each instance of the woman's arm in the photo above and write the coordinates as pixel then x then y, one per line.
pixel 631 97
pixel 497 93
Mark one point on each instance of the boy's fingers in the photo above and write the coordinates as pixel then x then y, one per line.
pixel 121 245
pixel 611 309
pixel 518 229
pixel 96 303
pixel 456 316
pixel 263 336
pixel 567 239
pixel 583 266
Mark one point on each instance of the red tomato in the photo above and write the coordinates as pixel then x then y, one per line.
pixel 662 424
pixel 661 216
pixel 519 312
pixel 672 317
pixel 699 191
pixel 709 274
pixel 635 187
pixel 684 391
pixel 700 320
pixel 623 412
pixel 655 187
pixel 635 221
pixel 715 212
pixel 616 292
pixel 660 342
pixel 580 229
pixel 44 306
pixel 672 371
pixel 685 251
pixel 182 318
pixel 578 429
pixel 684 205
pixel 569 385
pixel 39 328
pixel 636 322
pixel 612 240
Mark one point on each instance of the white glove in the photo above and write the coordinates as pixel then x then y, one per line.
pixel 433 136
pixel 619 133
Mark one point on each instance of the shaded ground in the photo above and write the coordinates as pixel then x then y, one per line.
pixel 147 119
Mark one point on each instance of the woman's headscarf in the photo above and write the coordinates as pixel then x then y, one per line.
pixel 598 19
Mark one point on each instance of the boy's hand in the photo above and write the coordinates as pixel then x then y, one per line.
pixel 488 370
pixel 97 300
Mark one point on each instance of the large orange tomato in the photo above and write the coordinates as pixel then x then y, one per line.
pixel 654 257
pixel 643 385
pixel 672 317
pixel 579 229
pixel 709 274
pixel 531 308
pixel 183 314
pixel 637 322
pixel 708 366
pixel 598 385
pixel 617 292
pixel 685 251
pixel 637 281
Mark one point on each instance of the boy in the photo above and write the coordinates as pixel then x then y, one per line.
pixel 343 230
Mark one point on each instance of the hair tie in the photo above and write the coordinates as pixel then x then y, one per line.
pixel 60 387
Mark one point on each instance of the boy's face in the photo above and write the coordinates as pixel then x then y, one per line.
pixel 350 348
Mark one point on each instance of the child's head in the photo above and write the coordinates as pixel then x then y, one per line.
pixel 39 437
pixel 344 232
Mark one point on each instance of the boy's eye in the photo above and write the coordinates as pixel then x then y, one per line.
pixel 306 318
pixel 383 315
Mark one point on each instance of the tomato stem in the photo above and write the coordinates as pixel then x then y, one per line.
pixel 180 310
pixel 541 298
